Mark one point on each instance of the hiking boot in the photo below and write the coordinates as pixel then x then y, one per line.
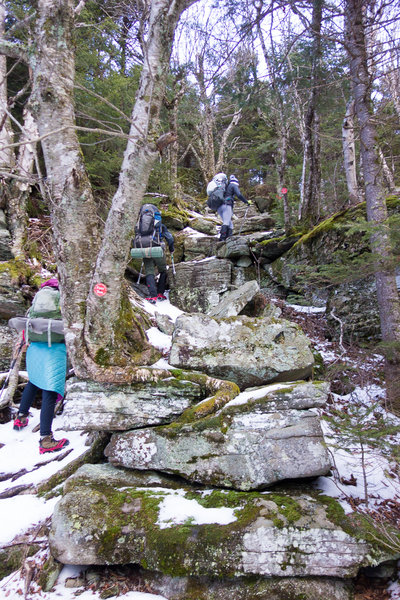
pixel 223 233
pixel 152 300
pixel 20 422
pixel 49 444
pixel 161 297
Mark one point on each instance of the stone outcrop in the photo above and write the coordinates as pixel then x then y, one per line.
pixel 243 588
pixel 196 245
pixel 261 437
pixel 197 286
pixel 12 304
pixel 233 302
pixel 250 352
pixel 116 408
pixel 106 517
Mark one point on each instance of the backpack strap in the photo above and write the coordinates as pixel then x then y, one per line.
pixel 27 331
pixel 49 333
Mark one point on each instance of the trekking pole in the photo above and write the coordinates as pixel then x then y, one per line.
pixel 140 273
pixel 173 264
pixel 244 218
pixel 11 369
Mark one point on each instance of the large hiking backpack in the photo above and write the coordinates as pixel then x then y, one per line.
pixel 43 322
pixel 147 240
pixel 216 191
pixel 46 304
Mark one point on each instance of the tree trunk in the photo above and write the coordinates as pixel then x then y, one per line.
pixel 349 153
pixel 280 124
pixel 309 208
pixel 104 337
pixel 224 140
pixel 387 294
pixel 104 319
pixel 205 150
pixel 6 136
pixel 19 190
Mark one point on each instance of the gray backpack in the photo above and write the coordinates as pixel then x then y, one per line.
pixel 43 322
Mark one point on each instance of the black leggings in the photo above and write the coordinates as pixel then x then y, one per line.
pixel 49 400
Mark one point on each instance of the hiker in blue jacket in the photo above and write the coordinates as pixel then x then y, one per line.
pixel 156 290
pixel 225 211
pixel 47 369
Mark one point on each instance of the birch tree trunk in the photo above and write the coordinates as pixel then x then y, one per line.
pixel 205 151
pixel 310 206
pixel 19 189
pixel 103 335
pixel 387 294
pixel 280 124
pixel 349 153
pixel 75 225
pixel 6 135
pixel 102 322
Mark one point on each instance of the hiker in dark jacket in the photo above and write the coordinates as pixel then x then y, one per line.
pixel 47 369
pixel 156 290
pixel 225 211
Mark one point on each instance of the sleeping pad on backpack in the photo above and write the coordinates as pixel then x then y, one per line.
pixel 47 367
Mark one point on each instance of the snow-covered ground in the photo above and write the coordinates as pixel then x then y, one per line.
pixel 361 474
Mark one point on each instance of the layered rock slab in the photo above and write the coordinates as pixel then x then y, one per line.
pixel 197 286
pixel 107 407
pixel 248 351
pixel 261 437
pixel 104 519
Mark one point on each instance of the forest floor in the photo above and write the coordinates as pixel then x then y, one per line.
pixel 361 433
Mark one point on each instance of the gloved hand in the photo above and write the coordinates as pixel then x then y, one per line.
pixel 249 203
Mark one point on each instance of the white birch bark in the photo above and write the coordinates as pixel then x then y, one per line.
pixel 139 156
pixel 387 172
pixel 7 158
pixel 19 189
pixel 349 153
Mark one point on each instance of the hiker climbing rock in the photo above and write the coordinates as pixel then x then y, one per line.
pixel 149 244
pixel 221 197
pixel 46 363
pixel 226 209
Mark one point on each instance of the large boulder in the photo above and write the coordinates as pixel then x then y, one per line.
pixel 196 245
pixel 263 222
pixel 107 407
pixel 105 517
pixel 197 285
pixel 268 250
pixel 234 302
pixel 356 306
pixel 254 588
pixel 239 246
pixel 207 225
pixel 248 351
pixel 263 436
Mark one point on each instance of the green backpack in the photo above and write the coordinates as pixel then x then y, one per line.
pixel 45 305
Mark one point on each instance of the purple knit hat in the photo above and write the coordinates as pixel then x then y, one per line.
pixel 51 283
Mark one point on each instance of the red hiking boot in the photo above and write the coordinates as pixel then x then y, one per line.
pixel 152 300
pixel 161 297
pixel 49 444
pixel 20 422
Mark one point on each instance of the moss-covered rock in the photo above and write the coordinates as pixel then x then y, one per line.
pixel 248 351
pixel 261 437
pixel 200 533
